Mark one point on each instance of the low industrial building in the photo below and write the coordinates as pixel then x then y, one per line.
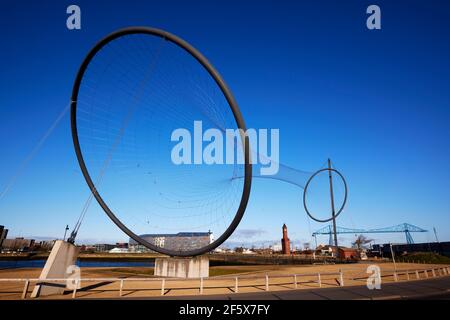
pixel 103 247
pixel 348 253
pixel 344 253
pixel 443 248
pixel 118 250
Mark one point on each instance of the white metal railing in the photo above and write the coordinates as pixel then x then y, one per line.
pixel 316 278
pixel 163 281
pixel 443 271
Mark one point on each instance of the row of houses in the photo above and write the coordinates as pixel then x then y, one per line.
pixel 20 244
pixel 25 245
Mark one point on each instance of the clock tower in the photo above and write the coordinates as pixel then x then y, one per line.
pixel 285 242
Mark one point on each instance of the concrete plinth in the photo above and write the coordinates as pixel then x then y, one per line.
pixel 196 267
pixel 63 255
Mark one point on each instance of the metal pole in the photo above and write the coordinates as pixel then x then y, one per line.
pixel 65 232
pixel 333 212
pixel 393 257
pixel 435 234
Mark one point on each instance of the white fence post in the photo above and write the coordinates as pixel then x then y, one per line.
pixel 25 289
pixel 267 282
pixel 417 275
pixel 426 273
pixel 201 285
pixel 236 285
pixel 295 281
pixel 74 293
pixel 407 274
pixel 395 277
pixel 319 280
pixel 121 288
pixel 433 273
pixel 163 283
pixel 341 276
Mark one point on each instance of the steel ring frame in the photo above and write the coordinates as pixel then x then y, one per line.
pixel 231 101
pixel 306 189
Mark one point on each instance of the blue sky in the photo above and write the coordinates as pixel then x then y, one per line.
pixel 376 102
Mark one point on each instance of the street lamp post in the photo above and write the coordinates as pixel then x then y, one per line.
pixel 393 256
pixel 65 232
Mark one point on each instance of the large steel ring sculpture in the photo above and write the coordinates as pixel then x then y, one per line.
pixel 231 102
pixel 306 190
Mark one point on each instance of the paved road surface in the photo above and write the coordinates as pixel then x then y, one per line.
pixel 438 288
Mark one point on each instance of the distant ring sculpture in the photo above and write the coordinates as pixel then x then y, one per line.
pixel 306 189
pixel 232 104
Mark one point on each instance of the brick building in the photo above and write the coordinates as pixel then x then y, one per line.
pixel 285 242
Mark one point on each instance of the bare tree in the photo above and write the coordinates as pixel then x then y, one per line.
pixel 361 242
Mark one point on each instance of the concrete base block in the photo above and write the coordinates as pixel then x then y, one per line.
pixel 62 256
pixel 196 267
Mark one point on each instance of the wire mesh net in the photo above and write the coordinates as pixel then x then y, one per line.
pixel 136 91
